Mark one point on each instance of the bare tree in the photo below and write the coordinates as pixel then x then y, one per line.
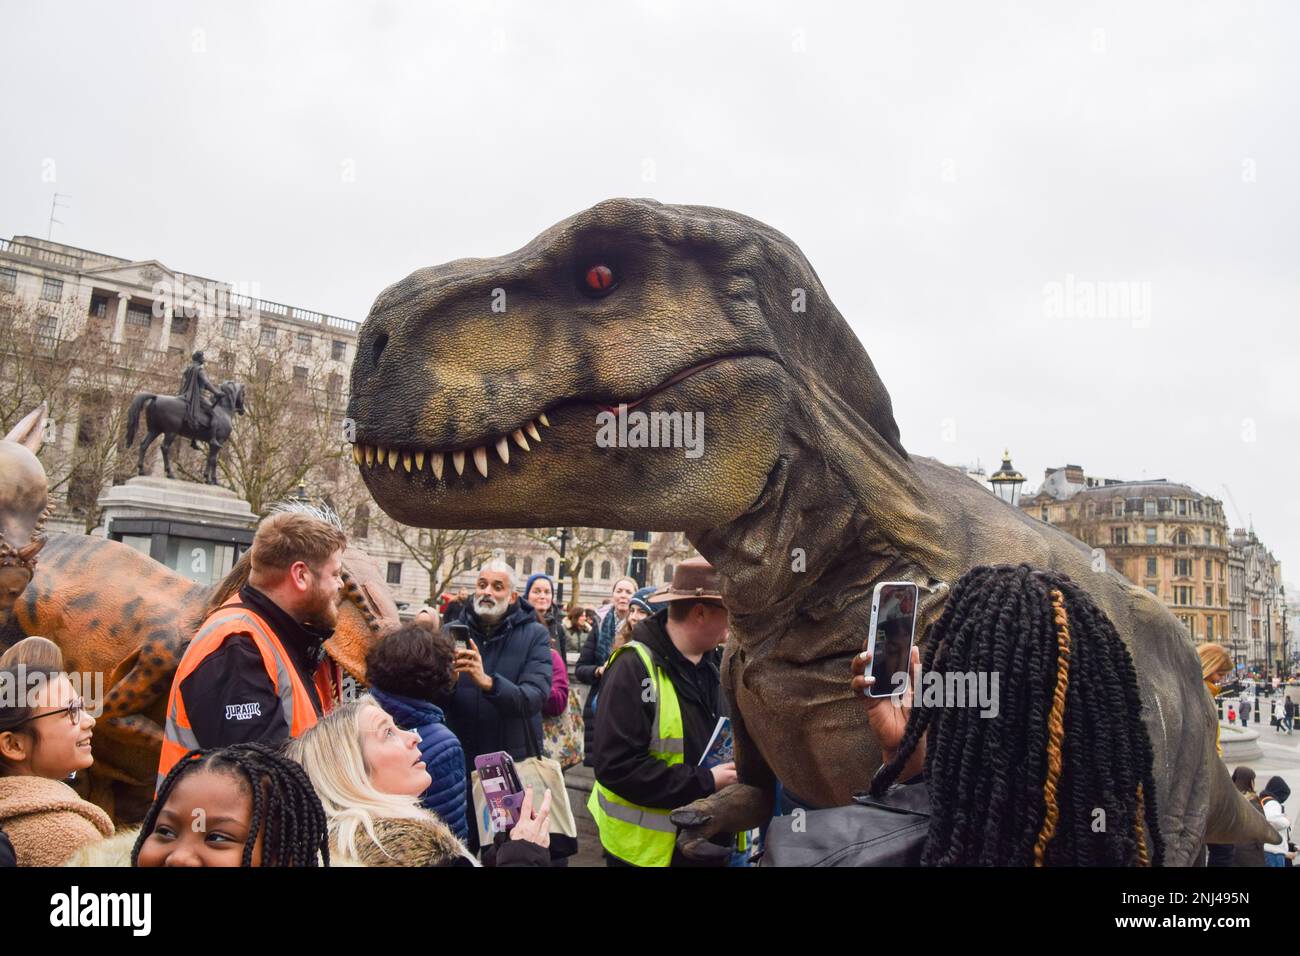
pixel 582 543
pixel 439 552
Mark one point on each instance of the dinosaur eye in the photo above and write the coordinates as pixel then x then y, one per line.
pixel 599 279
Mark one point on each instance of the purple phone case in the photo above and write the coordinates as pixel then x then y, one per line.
pixel 503 804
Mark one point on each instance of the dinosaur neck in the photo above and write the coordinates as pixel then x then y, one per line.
pixel 842 509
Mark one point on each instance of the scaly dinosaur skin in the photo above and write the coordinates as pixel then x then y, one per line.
pixel 117 612
pixel 801 452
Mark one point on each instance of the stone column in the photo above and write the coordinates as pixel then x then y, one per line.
pixel 119 324
pixel 166 338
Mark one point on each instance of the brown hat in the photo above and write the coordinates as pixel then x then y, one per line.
pixel 693 580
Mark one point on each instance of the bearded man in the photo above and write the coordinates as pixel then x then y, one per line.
pixel 505 673
pixel 256 669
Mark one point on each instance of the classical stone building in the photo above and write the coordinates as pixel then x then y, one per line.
pixel 144 313
pixel 1165 537
pixel 1264 637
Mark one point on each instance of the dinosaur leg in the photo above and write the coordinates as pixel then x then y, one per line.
pixel 741 806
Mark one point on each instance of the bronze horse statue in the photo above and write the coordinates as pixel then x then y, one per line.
pixel 165 415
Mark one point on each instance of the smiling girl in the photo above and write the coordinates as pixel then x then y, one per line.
pixel 45 737
pixel 242 805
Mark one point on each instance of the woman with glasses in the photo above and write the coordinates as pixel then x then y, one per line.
pixel 45 734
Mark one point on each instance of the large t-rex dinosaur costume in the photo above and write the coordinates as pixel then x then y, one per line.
pixel 803 499
pixel 113 611
pixel 24 506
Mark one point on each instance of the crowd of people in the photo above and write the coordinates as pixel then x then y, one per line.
pixel 266 761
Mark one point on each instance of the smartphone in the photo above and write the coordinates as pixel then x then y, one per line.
pixel 459 634
pixel 893 630
pixel 502 789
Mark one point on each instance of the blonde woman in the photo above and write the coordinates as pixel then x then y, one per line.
pixel 1216 665
pixel 369 776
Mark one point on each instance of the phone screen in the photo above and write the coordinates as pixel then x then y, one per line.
pixel 459 634
pixel 893 628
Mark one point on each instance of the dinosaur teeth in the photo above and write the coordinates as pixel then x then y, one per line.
pixel 435 462
pixel 458 459
pixel 532 432
pixel 480 460
pixel 406 461
pixel 370 456
pixel 503 451
pixel 546 422
pixel 392 459
pixel 520 440
pixel 419 461
pixel 356 454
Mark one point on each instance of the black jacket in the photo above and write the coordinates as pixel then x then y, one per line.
pixel 623 718
pixel 585 671
pixel 517 655
pixel 233 676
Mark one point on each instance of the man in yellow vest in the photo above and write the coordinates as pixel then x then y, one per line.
pixel 256 669
pixel 658 706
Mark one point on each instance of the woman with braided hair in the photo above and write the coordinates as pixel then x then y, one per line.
pixel 1060 773
pixel 242 805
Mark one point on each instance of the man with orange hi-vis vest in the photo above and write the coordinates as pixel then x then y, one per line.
pixel 256 669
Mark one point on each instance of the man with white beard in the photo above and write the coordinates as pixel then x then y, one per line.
pixel 504 673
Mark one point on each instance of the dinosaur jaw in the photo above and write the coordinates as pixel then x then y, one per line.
pixel 560 467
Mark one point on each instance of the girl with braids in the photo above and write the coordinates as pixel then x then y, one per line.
pixel 242 805
pixel 1023 787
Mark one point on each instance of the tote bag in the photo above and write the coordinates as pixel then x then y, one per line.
pixel 540 773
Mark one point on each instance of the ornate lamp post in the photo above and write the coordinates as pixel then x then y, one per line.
pixel 636 563
pixel 563 538
pixel 1006 481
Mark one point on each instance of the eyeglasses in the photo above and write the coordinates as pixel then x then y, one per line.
pixel 74 711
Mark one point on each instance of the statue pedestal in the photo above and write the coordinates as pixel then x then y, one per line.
pixel 196 530
pixel 1240 744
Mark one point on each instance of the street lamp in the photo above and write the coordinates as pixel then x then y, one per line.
pixel 1006 481
pixel 564 566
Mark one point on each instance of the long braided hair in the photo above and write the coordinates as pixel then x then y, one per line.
pixel 1024 787
pixel 286 809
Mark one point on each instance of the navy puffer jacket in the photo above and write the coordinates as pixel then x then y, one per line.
pixel 440 749
pixel 518 657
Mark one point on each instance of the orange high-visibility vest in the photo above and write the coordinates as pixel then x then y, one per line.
pixel 295 702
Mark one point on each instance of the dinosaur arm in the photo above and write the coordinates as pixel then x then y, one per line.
pixel 622 744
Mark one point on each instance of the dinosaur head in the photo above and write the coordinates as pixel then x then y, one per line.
pixel 486 392
pixel 23 502
pixel 366 612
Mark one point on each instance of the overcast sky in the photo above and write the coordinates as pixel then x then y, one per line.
pixel 952 170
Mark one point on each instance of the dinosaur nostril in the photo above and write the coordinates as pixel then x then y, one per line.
pixel 378 348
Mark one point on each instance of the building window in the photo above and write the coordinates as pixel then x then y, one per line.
pixel 1153 590
pixel 1151 535
pixel 304 342
pixel 1151 568
pixel 361 522
pixel 47 331
pixel 528 566
pixel 513 561
pixel 1180 538
pixel 180 325
pixel 1208 539
pixel 468 562
pixel 1209 628
pixel 1209 570
pixel 1209 596
pixel 339 351
pixel 394 572
pixel 139 315
pixel 230 327
pixel 1182 506
pixel 550 567
pixel 335 386
pixel 263 369
pixel 1149 507
pixel 267 338
pixel 605 570
pixel 299 375
pixel 1119 535
pixel 98 306
pixel 1182 567
pixel 8 280
pixel 52 290
pixel 1117 508
pixel 587 571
